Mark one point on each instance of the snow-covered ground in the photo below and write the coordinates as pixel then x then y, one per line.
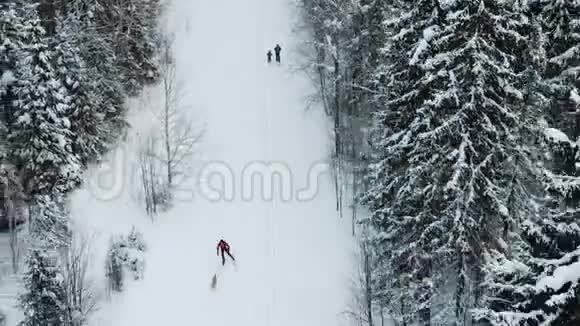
pixel 294 254
pixel 9 282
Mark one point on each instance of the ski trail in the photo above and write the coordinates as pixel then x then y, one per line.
pixel 293 254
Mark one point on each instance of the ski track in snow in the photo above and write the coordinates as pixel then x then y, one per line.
pixel 293 257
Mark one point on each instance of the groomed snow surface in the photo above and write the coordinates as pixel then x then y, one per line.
pixel 294 254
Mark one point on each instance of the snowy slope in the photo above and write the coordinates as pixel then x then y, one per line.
pixel 293 252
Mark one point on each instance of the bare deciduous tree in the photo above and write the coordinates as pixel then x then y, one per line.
pixel 166 155
pixel 155 190
pixel 81 294
pixel 12 210
pixel 336 66
pixel 361 310
pixel 179 133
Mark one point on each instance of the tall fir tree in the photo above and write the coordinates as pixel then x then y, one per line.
pixel 41 139
pixel 531 284
pixel 85 111
pixel 369 43
pixel 133 31
pixel 11 27
pixel 561 20
pixel 525 285
pixel 43 301
pixel 143 39
pixel 98 52
pixel 451 163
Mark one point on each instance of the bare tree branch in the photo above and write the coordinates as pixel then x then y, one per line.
pixel 81 293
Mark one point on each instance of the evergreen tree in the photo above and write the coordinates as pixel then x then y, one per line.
pixel 561 20
pixel 43 301
pixel 451 160
pixel 50 220
pixel 525 285
pixel 85 111
pixel 370 40
pixel 561 232
pixel 41 139
pixel 11 25
pixel 97 51
pixel 132 29
pixel 9 44
pixel 142 40
pixel 545 245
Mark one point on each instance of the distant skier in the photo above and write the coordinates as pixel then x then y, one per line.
pixel 277 49
pixel 224 247
pixel 269 54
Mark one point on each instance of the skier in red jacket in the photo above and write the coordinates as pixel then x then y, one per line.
pixel 224 247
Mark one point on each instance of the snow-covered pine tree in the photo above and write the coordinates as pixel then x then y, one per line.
pixel 85 111
pixel 366 55
pixel 561 229
pixel 561 236
pixel 131 26
pixel 8 32
pixel 527 285
pixel 97 51
pixel 561 20
pixel 43 301
pixel 41 139
pixel 11 25
pixel 118 62
pixel 448 149
pixel 367 51
pixel 409 264
pixel 141 66
pixel 532 284
pixel 555 240
pixel 49 218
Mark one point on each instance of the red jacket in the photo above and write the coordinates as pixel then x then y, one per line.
pixel 224 246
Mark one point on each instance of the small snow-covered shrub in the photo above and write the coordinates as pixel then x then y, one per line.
pixel 125 256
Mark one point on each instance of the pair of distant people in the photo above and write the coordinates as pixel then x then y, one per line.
pixel 277 50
